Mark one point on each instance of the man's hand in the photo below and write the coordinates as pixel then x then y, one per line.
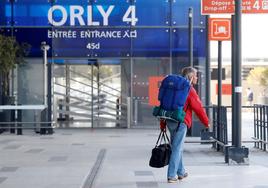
pixel 207 128
pixel 163 124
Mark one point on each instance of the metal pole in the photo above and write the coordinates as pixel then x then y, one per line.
pixel 45 48
pixel 208 74
pixel 49 94
pixel 47 85
pixel 92 102
pixel 12 34
pixel 219 73
pixel 98 91
pixel 233 83
pixel 130 100
pixel 12 17
pixel 67 91
pixel 219 91
pixel 128 112
pixel 190 34
pixel 171 30
pixel 238 87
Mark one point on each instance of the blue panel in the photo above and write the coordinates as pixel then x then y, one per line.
pixel 146 42
pixel 180 42
pixel 114 19
pixel 56 61
pixel 116 16
pixel 86 43
pixel 5 31
pixel 151 42
pixel 57 15
pixel 33 36
pixel 5 13
pixel 180 9
pixel 69 47
pixel 110 61
pixel 31 13
pixel 71 2
pixel 114 47
pixel 153 12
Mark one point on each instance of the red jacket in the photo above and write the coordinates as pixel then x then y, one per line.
pixel 193 103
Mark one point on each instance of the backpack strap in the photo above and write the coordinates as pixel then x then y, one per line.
pixel 173 97
pixel 164 92
pixel 185 115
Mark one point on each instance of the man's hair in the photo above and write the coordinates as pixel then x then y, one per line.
pixel 188 72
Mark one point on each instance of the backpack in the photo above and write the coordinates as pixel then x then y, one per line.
pixel 173 93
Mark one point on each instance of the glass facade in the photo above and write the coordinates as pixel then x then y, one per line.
pixel 146 38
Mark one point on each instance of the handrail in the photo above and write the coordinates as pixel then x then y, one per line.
pixel 81 82
pixel 77 98
pixel 113 76
pixel 72 89
pixel 103 91
pixel 22 107
pixel 75 106
pixel 82 75
pixel 219 142
pixel 26 122
pixel 74 113
pixel 85 92
pixel 211 106
pixel 259 140
pixel 122 94
pixel 101 83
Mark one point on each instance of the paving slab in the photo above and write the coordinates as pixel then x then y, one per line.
pixel 116 158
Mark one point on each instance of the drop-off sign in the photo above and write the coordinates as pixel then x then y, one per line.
pixel 228 6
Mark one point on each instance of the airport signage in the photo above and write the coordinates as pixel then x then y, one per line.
pixel 77 19
pixel 228 6
pixel 103 28
pixel 81 16
pixel 220 29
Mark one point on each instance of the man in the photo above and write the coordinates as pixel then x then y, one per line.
pixel 176 169
pixel 249 97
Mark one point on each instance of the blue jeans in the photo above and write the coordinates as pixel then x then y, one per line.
pixel 177 136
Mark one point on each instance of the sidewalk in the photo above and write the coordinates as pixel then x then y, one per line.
pixel 115 158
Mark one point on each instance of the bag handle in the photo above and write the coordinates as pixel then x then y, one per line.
pixel 165 134
pixel 162 135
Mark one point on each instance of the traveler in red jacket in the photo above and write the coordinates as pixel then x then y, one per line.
pixel 176 169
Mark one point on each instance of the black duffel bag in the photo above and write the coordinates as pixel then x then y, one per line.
pixel 161 153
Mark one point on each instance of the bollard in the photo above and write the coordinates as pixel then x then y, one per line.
pixel 60 103
pixel 128 112
pixel 19 119
pixel 13 119
pixel 117 112
pixel 43 119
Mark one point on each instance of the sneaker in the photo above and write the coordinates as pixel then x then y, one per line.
pixel 172 180
pixel 183 176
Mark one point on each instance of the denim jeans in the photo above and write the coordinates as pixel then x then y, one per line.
pixel 177 136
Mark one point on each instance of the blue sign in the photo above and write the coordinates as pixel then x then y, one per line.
pixel 91 42
pixel 105 28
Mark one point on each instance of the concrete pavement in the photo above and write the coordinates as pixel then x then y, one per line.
pixel 115 158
